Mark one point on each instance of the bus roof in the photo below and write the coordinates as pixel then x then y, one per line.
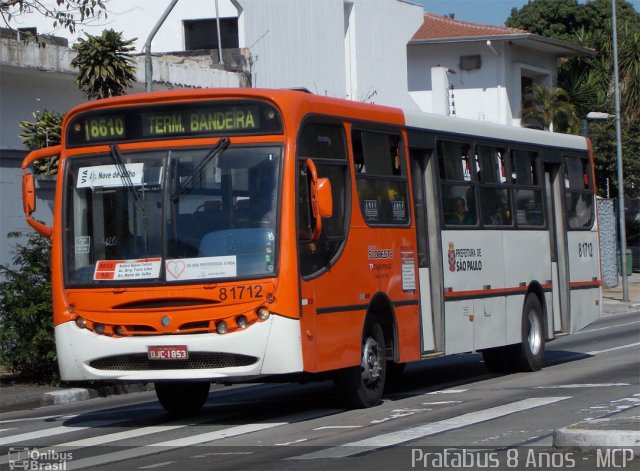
pixel 351 110
pixel 434 122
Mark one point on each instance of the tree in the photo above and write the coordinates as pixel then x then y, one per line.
pixel 105 64
pixel 43 132
pixel 26 327
pixel 547 108
pixel 65 13
pixel 588 80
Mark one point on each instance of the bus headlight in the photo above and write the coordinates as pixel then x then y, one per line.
pixel 221 327
pixel 263 313
pixel 98 328
pixel 81 323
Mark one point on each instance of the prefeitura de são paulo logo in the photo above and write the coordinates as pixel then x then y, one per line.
pixel 452 257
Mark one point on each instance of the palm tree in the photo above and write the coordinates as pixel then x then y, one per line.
pixel 105 64
pixel 546 108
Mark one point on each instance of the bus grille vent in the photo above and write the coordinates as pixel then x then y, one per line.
pixel 197 360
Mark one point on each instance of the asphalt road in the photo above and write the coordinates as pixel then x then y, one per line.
pixel 446 413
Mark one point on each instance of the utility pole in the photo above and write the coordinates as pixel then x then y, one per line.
pixel 623 230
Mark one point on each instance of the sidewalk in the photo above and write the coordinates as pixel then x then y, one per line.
pixel 612 297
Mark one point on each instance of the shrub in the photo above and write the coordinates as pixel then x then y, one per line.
pixel 44 131
pixel 27 344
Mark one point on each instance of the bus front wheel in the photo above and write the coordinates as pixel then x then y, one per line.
pixel 182 397
pixel 363 385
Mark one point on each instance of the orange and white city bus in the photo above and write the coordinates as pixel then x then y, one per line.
pixel 224 235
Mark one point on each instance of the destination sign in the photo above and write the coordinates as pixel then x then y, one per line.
pixel 180 120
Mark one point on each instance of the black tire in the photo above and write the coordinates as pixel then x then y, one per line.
pixel 362 386
pixel 496 359
pixel 182 397
pixel 529 354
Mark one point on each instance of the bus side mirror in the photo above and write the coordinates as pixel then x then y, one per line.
pixel 29 188
pixel 28 194
pixel 321 199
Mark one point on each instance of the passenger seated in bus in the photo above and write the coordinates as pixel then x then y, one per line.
pixel 458 213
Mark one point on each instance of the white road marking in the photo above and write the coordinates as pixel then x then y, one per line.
pixel 597 352
pixel 440 403
pixel 402 436
pixel 223 453
pixel 291 443
pixel 114 437
pixel 448 391
pixel 605 328
pixel 171 444
pixel 575 386
pixel 158 465
pixel 48 432
pixel 329 427
pixel 45 417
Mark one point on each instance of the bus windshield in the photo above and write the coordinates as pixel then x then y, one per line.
pixel 171 216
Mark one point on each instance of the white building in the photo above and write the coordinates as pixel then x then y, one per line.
pixel 480 71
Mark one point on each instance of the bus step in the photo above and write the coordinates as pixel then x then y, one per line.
pixel 426 356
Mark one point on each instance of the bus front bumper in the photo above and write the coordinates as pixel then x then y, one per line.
pixel 265 348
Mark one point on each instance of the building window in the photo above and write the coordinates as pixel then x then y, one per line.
pixel 203 34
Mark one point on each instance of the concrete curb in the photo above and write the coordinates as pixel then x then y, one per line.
pixel 59 396
pixel 623 432
pixel 65 396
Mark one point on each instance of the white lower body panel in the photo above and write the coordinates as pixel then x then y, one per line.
pixel 275 344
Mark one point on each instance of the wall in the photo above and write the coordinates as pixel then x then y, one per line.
pixel 475 92
pixel 295 44
pixel 607 223
pixel 492 93
pixel 136 19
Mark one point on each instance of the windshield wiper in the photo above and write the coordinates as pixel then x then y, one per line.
pixel 116 157
pixel 187 185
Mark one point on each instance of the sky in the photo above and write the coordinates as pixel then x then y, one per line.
pixel 489 12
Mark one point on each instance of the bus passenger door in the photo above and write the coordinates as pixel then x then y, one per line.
pixel 430 273
pixel 559 258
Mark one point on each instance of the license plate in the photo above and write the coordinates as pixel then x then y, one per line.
pixel 169 352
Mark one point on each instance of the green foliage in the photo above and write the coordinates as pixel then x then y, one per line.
pixel 44 131
pixel 588 80
pixel 105 64
pixel 26 323
pixel 65 13
pixel 548 108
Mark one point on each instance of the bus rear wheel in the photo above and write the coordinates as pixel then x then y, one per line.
pixel 529 354
pixel 363 385
pixel 182 397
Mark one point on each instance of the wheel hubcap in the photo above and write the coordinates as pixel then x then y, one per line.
pixel 535 332
pixel 371 361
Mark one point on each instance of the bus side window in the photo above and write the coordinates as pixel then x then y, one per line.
pixel 527 189
pixel 579 197
pixel 495 198
pixel 326 145
pixel 456 183
pixel 381 177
